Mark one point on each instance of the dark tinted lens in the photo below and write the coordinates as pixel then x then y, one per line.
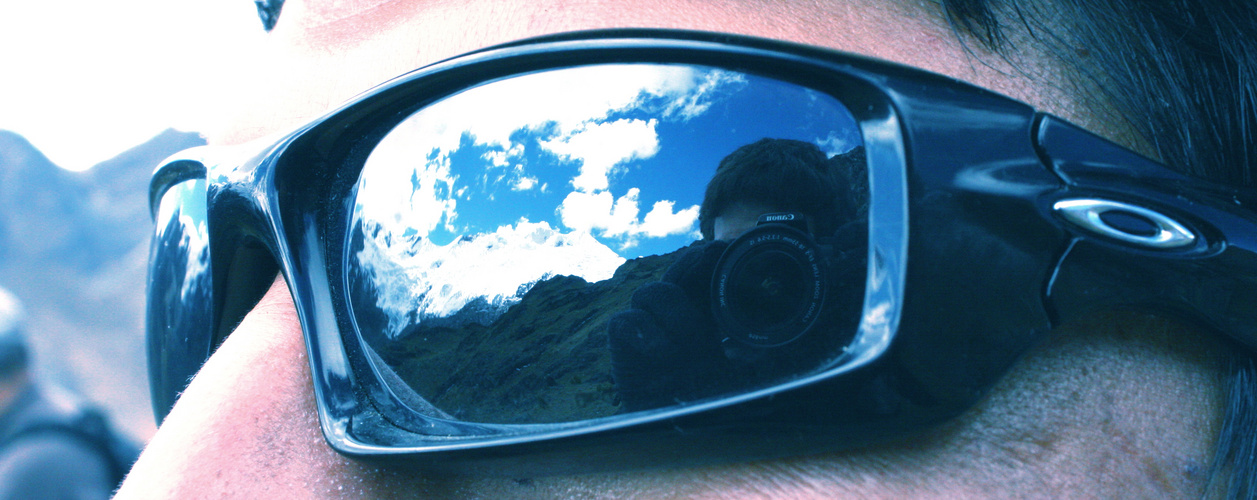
pixel 179 293
pixel 530 250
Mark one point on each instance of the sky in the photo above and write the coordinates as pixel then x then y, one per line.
pixel 88 79
pixel 568 172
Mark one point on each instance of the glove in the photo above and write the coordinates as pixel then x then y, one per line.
pixel 665 349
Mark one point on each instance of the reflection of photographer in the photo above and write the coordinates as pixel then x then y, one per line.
pixel 772 290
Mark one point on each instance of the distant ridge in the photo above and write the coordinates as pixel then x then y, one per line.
pixel 51 214
pixel 16 150
pixel 152 152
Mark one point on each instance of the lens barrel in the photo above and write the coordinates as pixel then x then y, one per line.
pixel 769 285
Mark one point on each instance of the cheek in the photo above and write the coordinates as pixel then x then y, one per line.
pixel 247 421
pixel 1128 403
pixel 1122 404
pixel 247 426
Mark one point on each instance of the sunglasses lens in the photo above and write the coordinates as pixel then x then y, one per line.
pixel 179 294
pixel 586 242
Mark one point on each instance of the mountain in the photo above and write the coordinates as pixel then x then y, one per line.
pixel 74 248
pixel 86 218
pixel 492 270
pixel 33 192
pixel 545 359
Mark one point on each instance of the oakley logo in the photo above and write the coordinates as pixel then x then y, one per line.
pixel 1127 223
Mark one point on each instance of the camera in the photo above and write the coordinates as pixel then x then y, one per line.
pixel 770 285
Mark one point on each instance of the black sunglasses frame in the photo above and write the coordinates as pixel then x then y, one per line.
pixel 972 260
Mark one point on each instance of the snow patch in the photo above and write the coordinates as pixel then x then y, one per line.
pixel 417 279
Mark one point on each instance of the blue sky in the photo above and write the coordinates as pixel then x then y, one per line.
pixel 627 163
pixel 88 79
pixel 564 173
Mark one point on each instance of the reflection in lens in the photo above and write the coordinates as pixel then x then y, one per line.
pixel 531 250
pixel 179 315
pixel 770 291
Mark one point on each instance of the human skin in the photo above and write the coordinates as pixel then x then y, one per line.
pixel 1114 405
pixel 736 219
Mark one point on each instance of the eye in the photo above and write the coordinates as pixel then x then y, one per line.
pixel 268 11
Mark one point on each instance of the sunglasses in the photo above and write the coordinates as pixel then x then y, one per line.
pixel 644 248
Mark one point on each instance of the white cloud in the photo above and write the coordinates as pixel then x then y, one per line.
pixel 696 96
pixel 663 221
pixel 569 110
pixel 499 159
pixel 439 280
pixel 566 100
pixel 401 186
pixel 525 184
pixel 836 144
pixel 603 214
pixel 586 212
pixel 601 147
pixel 572 104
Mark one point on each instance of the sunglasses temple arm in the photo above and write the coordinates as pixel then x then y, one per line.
pixel 1202 266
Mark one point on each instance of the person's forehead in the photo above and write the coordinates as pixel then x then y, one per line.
pixel 325 51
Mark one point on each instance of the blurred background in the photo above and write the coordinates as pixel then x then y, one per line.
pixel 94 95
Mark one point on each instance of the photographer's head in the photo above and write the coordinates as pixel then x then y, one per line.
pixel 778 175
pixel 1117 404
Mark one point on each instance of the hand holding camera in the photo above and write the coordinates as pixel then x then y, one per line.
pixel 665 348
pixel 728 315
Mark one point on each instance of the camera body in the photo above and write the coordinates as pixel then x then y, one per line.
pixel 770 285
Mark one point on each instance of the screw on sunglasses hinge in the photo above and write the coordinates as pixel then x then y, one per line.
pixel 1127 223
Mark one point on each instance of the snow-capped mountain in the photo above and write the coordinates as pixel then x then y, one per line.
pixel 419 280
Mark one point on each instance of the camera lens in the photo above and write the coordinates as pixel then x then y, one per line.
pixel 769 286
pixel 770 289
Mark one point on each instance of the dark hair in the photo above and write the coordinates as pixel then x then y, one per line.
pixel 784 174
pixel 1183 76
